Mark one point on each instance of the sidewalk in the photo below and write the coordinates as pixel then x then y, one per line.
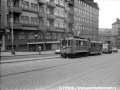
pixel 5 54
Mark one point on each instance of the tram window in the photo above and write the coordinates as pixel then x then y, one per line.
pixel 81 43
pixel 76 42
pixel 69 42
pixel 64 42
pixel 60 43
pixel 84 43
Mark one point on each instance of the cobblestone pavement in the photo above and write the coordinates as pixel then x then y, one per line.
pixel 52 77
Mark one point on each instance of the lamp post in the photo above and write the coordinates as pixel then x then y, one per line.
pixel 44 44
pixel 36 42
pixel 12 49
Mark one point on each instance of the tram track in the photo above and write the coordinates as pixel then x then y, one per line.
pixel 48 67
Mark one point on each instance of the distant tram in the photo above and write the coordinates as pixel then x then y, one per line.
pixel 107 48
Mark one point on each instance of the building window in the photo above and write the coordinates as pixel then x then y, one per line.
pixel 22 35
pixel 59 36
pixel 47 0
pixel 34 21
pixel 61 14
pixel 61 25
pixel 22 47
pixel 34 7
pixel 61 2
pixel 41 22
pixel 54 36
pixel 76 18
pixel 31 35
pixel 48 11
pixel 56 12
pixel 25 19
pixel 48 36
pixel 25 4
pixel 66 14
pixel 56 24
pixel 75 9
pixel 48 23
pixel 65 25
pixel 40 36
pixel 56 1
pixel 41 8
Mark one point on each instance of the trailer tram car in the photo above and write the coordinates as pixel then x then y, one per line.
pixel 76 46
pixel 95 48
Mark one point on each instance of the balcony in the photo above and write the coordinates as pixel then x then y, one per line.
pixel 67 19
pixel 61 5
pixel 15 25
pixel 71 11
pixel 16 10
pixel 51 28
pixel 67 9
pixel 71 20
pixel 42 27
pixel 29 25
pixel 51 16
pixel 42 2
pixel 71 2
pixel 42 14
pixel 51 4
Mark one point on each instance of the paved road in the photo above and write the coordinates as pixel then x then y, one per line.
pixel 98 70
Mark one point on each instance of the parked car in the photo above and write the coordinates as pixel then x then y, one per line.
pixel 57 51
pixel 114 49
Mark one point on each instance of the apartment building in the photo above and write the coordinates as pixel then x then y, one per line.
pixel 37 23
pixel 86 15
pixel 2 24
pixel 44 22
pixel 0 27
pixel 105 34
pixel 116 33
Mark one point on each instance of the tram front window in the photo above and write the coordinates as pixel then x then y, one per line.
pixel 64 42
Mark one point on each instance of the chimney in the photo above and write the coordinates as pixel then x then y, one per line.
pixel 117 19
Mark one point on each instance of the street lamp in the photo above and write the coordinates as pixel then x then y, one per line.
pixel 36 42
pixel 12 49
pixel 44 33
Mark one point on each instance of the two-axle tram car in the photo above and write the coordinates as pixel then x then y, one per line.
pixel 95 47
pixel 74 46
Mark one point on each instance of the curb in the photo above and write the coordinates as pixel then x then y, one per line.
pixel 24 55
pixel 10 55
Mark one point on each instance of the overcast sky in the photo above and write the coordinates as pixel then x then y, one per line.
pixel 109 11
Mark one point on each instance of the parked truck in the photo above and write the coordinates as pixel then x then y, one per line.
pixel 107 47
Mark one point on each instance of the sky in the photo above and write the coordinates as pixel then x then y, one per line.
pixel 109 11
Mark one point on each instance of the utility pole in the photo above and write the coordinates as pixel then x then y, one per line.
pixel 12 34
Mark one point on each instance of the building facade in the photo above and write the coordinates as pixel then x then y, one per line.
pixel 116 33
pixel 2 24
pixel 105 34
pixel 43 22
pixel 86 14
